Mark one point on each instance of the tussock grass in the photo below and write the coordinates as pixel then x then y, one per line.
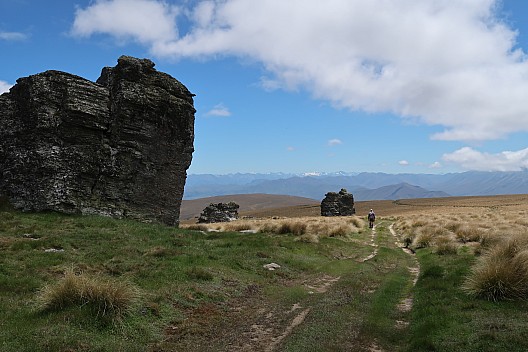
pixel 445 245
pixel 468 234
pixel 502 272
pixel 453 226
pixel 498 237
pixel 339 231
pixel 489 239
pixel 309 238
pixel 107 298
pixel 197 227
pixel 309 228
pixel 357 222
pixel 423 240
pixel 294 227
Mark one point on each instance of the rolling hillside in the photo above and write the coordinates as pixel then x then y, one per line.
pixel 247 202
pixel 264 206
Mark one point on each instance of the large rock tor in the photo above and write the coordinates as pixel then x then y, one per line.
pixel 119 147
pixel 219 212
pixel 338 204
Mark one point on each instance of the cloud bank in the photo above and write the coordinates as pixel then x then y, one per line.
pixel 145 21
pixel 474 160
pixel 440 62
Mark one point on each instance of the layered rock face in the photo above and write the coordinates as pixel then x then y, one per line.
pixel 219 212
pixel 338 204
pixel 118 147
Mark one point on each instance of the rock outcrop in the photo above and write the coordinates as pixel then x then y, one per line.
pixel 118 147
pixel 219 212
pixel 338 204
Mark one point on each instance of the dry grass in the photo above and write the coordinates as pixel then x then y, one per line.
pixel 493 228
pixel 490 227
pixel 108 298
pixel 309 229
pixel 196 227
pixel 465 233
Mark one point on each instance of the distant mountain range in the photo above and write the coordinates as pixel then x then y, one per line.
pixel 364 186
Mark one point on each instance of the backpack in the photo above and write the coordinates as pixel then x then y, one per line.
pixel 372 216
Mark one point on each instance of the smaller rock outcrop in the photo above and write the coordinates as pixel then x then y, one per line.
pixel 219 212
pixel 338 204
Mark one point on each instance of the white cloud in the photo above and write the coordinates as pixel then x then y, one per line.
pixel 472 159
pixel 4 87
pixel 147 21
pixel 12 36
pixel 290 149
pixel 219 110
pixel 435 165
pixel 403 162
pixel 334 142
pixel 447 63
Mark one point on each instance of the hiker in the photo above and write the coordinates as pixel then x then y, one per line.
pixel 371 218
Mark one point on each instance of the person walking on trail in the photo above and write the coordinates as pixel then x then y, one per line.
pixel 371 218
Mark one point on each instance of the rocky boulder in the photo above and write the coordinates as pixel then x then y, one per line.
pixel 219 212
pixel 338 204
pixel 118 147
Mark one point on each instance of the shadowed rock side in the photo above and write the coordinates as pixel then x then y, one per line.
pixel 120 147
pixel 338 204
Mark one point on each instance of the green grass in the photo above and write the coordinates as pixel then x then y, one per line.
pixel 148 287
pixel 361 307
pixel 445 318
pixel 175 273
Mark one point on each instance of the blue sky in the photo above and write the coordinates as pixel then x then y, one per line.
pixel 418 86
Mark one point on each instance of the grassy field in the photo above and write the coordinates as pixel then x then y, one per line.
pixel 71 283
